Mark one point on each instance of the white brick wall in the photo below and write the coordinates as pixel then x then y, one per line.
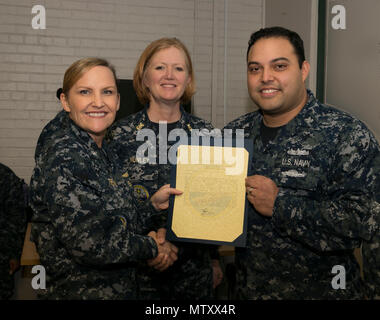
pixel 32 62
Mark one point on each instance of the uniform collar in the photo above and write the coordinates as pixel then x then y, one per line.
pixel 82 134
pixel 143 121
pixel 302 120
pixel 305 117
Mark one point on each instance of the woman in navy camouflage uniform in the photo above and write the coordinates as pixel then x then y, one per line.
pixel 85 224
pixel 164 80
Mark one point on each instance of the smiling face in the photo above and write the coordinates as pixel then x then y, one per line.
pixel 167 76
pixel 92 102
pixel 275 80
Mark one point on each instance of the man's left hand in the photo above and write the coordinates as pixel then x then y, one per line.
pixel 262 193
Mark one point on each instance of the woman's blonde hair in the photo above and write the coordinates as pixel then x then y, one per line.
pixel 138 76
pixel 79 68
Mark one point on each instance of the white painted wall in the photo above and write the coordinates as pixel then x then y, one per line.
pixel 32 62
pixel 353 61
pixel 300 16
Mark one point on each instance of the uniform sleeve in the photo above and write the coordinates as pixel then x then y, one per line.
pixel 371 254
pixel 119 139
pixel 95 231
pixel 344 214
pixel 15 215
pixel 152 219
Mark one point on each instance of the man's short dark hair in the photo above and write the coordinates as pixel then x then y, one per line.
pixel 280 32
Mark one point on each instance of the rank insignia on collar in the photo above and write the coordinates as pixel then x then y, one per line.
pixel 125 175
pixel 189 126
pixel 140 126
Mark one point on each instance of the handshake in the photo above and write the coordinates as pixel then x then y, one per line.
pixel 167 252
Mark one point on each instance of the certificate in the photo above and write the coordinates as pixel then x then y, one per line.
pixel 212 208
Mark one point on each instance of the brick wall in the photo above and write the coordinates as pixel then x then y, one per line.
pixel 32 62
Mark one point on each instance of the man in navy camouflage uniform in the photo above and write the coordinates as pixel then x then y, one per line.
pixel 12 228
pixel 314 193
pixel 191 276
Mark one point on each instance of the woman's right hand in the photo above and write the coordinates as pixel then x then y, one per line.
pixel 167 253
pixel 160 200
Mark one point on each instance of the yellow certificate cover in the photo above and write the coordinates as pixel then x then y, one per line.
pixel 212 208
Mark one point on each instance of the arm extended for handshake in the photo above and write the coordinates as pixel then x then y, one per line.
pixel 167 252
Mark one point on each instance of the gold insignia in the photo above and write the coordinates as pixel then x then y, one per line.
pixel 123 221
pixel 140 192
pixel 189 126
pixel 112 182
pixel 126 175
pixel 140 126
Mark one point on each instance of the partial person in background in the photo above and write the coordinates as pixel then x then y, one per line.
pixel 12 228
pixel 315 190
pixel 164 81
pixel 371 251
pixel 85 224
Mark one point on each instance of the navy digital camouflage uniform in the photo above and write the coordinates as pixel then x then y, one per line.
pixel 371 252
pixel 190 277
pixel 326 165
pixel 84 222
pixel 12 226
